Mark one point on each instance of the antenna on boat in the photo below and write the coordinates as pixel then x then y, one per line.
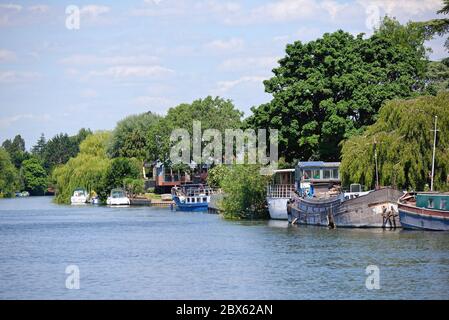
pixel 434 149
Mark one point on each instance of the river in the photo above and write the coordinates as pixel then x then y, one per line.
pixel 154 253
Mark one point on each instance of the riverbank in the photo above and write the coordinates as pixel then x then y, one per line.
pixel 154 253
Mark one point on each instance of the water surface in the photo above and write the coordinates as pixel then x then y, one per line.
pixel 154 253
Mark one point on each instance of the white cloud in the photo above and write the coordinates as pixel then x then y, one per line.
pixel 7 56
pixel 83 60
pixel 39 8
pixel 17 76
pixel 244 63
pixel 153 103
pixel 89 93
pixel 225 45
pixel 123 72
pixel 9 121
pixel 10 6
pixel 403 7
pixel 94 10
pixel 225 86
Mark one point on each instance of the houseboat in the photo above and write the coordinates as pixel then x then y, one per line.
pixel 321 201
pixel 279 191
pixel 80 196
pixel 424 211
pixel 118 198
pixel 191 197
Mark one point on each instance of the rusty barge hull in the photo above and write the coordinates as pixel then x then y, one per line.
pixel 362 212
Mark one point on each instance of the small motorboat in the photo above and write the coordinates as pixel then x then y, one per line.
pixel 80 196
pixel 192 197
pixel 118 198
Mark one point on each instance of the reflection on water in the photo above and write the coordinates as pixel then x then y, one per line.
pixel 154 253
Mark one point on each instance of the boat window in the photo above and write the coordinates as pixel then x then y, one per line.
pixel 326 174
pixel 188 200
pixel 430 203
pixel 316 174
pixel 307 174
pixel 335 174
pixel 204 199
pixel 443 204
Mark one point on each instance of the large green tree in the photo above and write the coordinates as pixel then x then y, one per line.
pixel 9 182
pixel 34 177
pixel 86 170
pixel 16 150
pixel 403 138
pixel 213 113
pixel 329 89
pixel 130 136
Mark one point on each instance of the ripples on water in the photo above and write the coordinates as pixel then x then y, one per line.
pixel 152 253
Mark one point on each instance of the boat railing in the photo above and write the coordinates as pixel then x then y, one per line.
pixel 193 192
pixel 280 190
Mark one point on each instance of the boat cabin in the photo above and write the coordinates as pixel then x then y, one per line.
pixel 282 184
pixel 315 177
pixel 433 201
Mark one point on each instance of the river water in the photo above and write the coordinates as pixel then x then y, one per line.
pixel 154 253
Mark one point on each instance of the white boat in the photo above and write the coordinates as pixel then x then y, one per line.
pixel 118 198
pixel 80 196
pixel 279 191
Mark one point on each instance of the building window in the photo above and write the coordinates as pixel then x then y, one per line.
pixel 430 204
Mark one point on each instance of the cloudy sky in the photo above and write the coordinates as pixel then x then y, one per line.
pixel 139 55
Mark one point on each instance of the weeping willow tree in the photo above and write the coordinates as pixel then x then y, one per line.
pixel 403 138
pixel 86 170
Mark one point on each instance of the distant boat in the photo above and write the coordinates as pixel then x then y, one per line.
pixel 95 200
pixel 118 198
pixel 22 194
pixel 279 191
pixel 424 211
pixel 192 197
pixel 80 196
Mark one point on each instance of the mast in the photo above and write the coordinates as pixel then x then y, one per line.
pixel 377 167
pixel 434 149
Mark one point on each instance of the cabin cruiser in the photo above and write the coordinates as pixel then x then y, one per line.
pixel 80 196
pixel 118 198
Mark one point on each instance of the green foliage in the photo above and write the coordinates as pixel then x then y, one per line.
pixel 245 191
pixel 59 150
pixel 129 138
pixel 437 26
pixel 16 150
pixel 34 176
pixel 331 88
pixel 39 148
pixel 134 186
pixel 214 113
pixel 9 181
pixel 404 143
pixel 437 77
pixel 117 172
pixel 87 170
pixel 216 175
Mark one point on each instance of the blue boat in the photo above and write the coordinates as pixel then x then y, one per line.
pixel 191 197
pixel 424 211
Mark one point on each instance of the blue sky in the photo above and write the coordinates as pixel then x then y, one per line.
pixel 148 55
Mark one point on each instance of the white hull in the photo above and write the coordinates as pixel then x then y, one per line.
pixel 118 201
pixel 78 200
pixel 277 208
